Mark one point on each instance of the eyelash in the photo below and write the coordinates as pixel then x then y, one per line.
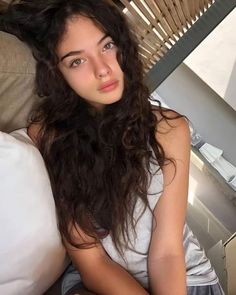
pixel 73 63
pixel 109 43
pixel 106 47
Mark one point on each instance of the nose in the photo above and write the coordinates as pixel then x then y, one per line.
pixel 102 69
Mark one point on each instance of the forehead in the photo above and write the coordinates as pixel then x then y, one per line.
pixel 80 31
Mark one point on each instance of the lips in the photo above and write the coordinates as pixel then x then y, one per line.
pixel 108 86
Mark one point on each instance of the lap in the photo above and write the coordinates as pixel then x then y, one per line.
pixel 72 285
pixel 78 289
pixel 206 290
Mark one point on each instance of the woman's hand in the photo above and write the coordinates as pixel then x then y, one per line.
pixel 99 273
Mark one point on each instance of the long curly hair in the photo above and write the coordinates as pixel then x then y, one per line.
pixel 98 163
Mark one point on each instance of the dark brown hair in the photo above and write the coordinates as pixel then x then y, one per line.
pixel 98 163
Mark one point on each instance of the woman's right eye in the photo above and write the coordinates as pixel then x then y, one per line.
pixel 76 62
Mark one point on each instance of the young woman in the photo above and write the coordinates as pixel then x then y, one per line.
pixel 118 166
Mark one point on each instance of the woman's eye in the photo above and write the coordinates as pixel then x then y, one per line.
pixel 109 45
pixel 76 62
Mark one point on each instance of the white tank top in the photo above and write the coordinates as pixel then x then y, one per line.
pixel 198 268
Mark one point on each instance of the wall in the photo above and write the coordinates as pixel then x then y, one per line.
pixel 213 118
pixel 214 60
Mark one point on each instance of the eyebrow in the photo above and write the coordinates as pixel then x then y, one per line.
pixel 76 52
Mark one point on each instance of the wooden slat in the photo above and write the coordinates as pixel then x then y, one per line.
pixel 160 19
pixel 149 37
pixel 143 51
pixel 166 14
pixel 161 23
pixel 139 19
pixel 157 58
pixel 186 11
pixel 145 63
pixel 167 21
pixel 159 51
pixel 151 20
pixel 148 65
pixel 149 60
pixel 147 42
pixel 206 3
pixel 144 35
pixel 174 14
pixel 202 5
pixel 197 8
pixel 192 9
pixel 180 13
pixel 147 54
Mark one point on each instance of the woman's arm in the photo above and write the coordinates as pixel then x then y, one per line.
pixel 166 263
pixel 99 273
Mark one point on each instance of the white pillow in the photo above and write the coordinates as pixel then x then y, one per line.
pixel 32 256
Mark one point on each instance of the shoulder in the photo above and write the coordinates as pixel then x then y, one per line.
pixel 170 121
pixel 172 132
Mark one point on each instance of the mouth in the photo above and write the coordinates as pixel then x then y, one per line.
pixel 108 86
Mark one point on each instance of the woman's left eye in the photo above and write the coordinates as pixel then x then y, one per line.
pixel 109 45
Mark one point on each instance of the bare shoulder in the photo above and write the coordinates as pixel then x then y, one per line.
pixel 172 122
pixel 34 131
pixel 172 131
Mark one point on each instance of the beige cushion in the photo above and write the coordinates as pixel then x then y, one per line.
pixel 17 74
pixel 4 3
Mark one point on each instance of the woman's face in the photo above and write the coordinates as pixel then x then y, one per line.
pixel 88 62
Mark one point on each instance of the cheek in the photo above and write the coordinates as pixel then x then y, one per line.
pixel 113 60
pixel 119 70
pixel 79 86
pixel 75 79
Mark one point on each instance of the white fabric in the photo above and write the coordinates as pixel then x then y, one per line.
pixel 32 256
pixel 210 152
pixel 199 271
pixel 136 262
pixel 216 159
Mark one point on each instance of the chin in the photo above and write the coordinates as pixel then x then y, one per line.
pixel 115 100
